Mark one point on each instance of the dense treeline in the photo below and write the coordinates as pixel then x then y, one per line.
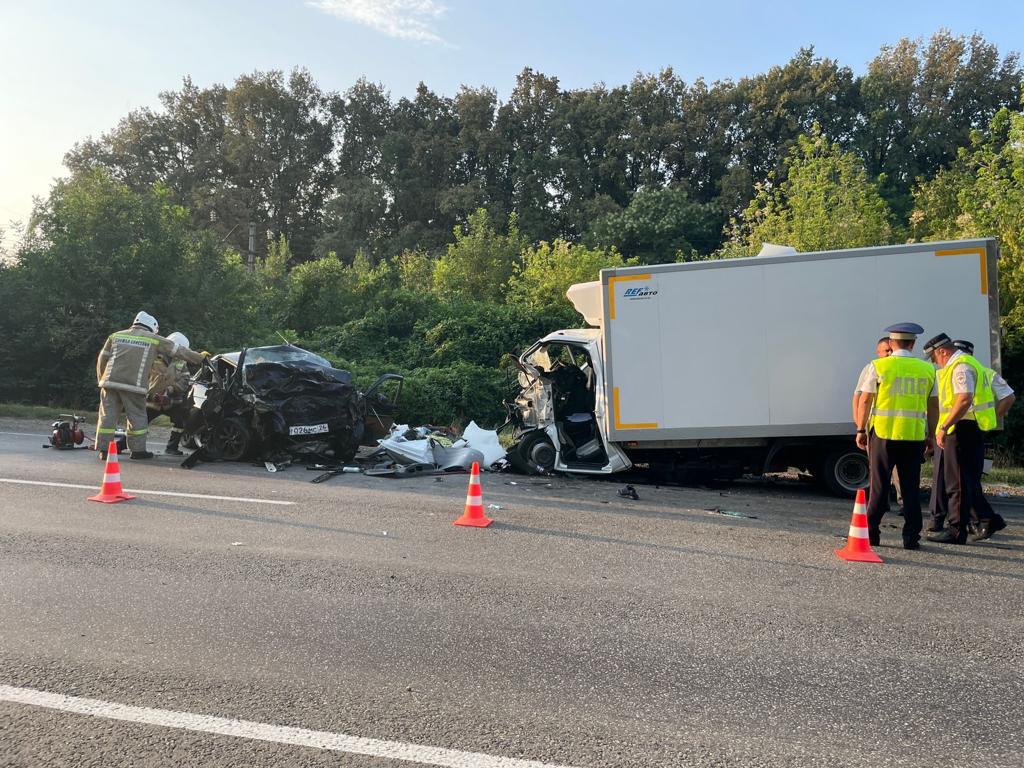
pixel 362 171
pixel 433 234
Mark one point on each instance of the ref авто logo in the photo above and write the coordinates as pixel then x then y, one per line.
pixel 640 292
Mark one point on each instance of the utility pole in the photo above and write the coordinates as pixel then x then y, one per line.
pixel 250 264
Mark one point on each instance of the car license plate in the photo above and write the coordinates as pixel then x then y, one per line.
pixel 308 429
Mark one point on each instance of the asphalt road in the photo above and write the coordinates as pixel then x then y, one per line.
pixel 580 629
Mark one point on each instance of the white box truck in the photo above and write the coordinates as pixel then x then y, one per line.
pixel 722 368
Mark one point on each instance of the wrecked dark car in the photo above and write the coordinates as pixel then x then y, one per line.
pixel 284 402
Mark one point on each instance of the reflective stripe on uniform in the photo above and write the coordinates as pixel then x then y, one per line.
pixel 897 414
pixel 106 430
pixel 905 385
pixel 982 408
pixel 129 337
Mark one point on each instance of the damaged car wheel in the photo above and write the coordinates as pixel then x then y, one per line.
pixel 535 454
pixel 229 440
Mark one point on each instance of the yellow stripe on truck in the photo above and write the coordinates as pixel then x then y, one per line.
pixel 611 289
pixel 621 425
pixel 980 253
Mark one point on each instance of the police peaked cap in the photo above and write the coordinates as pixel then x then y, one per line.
pixel 964 346
pixel 904 331
pixel 936 342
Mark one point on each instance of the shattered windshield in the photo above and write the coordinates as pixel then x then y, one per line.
pixel 283 355
pixel 551 356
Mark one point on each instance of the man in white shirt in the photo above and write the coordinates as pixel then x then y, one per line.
pixel 980 509
pixel 895 421
pixel 882 349
pixel 968 411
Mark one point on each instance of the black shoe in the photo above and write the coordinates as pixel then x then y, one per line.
pixel 997 523
pixel 982 532
pixel 933 529
pixel 945 537
pixel 915 544
pixel 173 451
pixel 136 455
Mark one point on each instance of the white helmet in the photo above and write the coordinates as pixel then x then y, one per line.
pixel 146 319
pixel 179 338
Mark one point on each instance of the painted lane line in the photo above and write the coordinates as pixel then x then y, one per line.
pixel 23 434
pixel 246 729
pixel 153 493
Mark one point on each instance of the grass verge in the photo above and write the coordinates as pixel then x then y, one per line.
pixel 51 413
pixel 20 411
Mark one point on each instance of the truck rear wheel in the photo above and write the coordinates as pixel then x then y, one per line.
pixel 844 471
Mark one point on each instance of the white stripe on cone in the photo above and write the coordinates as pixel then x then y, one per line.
pixel 858 533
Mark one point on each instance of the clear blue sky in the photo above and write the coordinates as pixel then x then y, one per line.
pixel 72 69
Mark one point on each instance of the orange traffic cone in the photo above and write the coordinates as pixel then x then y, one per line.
pixel 111 491
pixel 858 548
pixel 474 514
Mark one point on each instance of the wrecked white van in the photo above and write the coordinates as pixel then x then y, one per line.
pixel 721 368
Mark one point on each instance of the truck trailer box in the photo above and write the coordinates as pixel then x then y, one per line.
pixel 740 365
pixel 771 346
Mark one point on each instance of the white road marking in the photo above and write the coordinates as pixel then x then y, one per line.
pixel 246 729
pixel 152 493
pixel 23 434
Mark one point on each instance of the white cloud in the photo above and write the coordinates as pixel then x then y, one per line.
pixel 406 19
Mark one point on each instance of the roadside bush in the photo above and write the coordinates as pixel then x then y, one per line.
pixel 454 395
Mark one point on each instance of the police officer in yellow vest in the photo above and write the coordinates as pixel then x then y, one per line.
pixel 122 373
pixel 895 433
pixel 967 412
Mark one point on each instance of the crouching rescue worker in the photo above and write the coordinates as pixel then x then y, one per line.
pixel 897 429
pixel 122 373
pixel 169 382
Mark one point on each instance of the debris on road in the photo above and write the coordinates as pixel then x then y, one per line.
pixel 629 492
pixel 729 513
pixel 430 450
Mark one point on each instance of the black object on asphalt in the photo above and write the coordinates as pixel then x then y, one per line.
pixel 629 492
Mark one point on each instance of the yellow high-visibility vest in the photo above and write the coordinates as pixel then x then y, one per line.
pixel 901 405
pixel 983 405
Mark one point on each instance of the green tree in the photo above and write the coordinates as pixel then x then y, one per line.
pixel 478 265
pixel 982 195
pixel 260 151
pixel 96 254
pixel 778 106
pixel 825 201
pixel 546 272
pixel 660 225
pixel 415 271
pixel 921 101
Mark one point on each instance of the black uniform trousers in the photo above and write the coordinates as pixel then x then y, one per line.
pixel 963 459
pixel 905 456
pixel 938 504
